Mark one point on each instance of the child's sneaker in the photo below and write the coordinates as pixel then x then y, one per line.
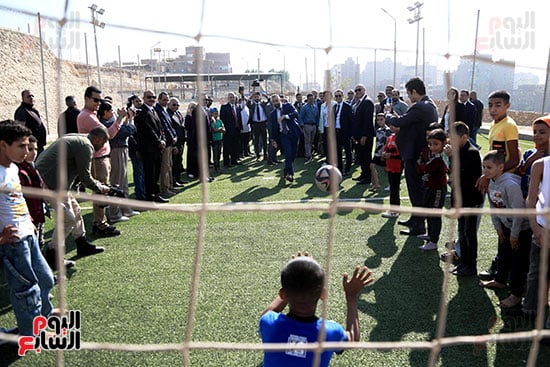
pixel 428 246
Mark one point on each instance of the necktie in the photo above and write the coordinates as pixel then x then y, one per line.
pixel 258 117
pixel 337 110
pixel 235 116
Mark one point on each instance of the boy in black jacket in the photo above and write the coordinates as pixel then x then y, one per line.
pixel 470 171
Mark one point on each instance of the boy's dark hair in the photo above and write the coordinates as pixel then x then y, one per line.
pixel 303 276
pixel 104 107
pixel 162 94
pixel 500 94
pixel 495 156
pixel 91 89
pixel 434 126
pixel 460 128
pixel 11 131
pixel 416 84
pixel 99 132
pixel 438 134
pixel 32 139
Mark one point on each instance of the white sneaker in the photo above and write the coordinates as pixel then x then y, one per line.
pixel 131 213
pixel 428 246
pixel 424 237
pixel 390 215
pixel 122 218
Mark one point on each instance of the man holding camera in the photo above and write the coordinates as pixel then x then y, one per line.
pixel 79 149
pixel 101 164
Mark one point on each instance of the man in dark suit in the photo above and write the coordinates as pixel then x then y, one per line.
pixel 410 140
pixel 171 138
pixel 258 124
pixel 343 120
pixel 151 143
pixel 67 119
pixel 470 110
pixel 230 114
pixel 30 117
pixel 479 116
pixel 284 132
pixel 363 132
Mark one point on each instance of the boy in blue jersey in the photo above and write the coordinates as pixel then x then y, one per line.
pixel 302 281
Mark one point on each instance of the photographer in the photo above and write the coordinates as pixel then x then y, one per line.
pixel 79 149
pixel 119 158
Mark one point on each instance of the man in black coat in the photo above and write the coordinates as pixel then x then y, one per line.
pixel 230 114
pixel 363 132
pixel 151 143
pixel 343 120
pixel 410 140
pixel 30 117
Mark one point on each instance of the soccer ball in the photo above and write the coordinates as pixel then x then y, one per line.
pixel 328 176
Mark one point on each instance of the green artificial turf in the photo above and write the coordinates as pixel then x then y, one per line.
pixel 138 291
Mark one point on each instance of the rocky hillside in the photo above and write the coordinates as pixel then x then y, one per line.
pixel 21 69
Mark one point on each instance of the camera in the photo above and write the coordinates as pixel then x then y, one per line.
pixel 256 83
pixel 116 191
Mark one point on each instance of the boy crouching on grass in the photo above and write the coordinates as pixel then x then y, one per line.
pixel 514 232
pixel 27 274
pixel 302 281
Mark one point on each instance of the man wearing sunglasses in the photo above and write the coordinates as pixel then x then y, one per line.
pixel 363 132
pixel 86 121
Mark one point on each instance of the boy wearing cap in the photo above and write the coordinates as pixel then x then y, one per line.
pixel 217 137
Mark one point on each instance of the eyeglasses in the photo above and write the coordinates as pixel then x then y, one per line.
pixel 338 95
pixel 358 90
pixel 96 100
pixel 150 97
pixel 175 105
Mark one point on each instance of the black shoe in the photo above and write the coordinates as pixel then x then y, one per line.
pixel 178 184
pixel 406 223
pixel 464 271
pixel 85 247
pixel 364 181
pixel 411 232
pixel 107 231
pixel 489 273
pixel 160 199
pixel 50 256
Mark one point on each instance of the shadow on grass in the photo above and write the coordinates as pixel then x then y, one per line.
pixel 382 244
pixel 406 299
pixel 471 312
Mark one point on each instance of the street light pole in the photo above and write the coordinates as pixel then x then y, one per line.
pixel 416 19
pixel 394 46
pixel 95 23
pixel 314 63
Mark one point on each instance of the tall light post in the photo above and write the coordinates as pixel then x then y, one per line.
pixel 394 46
pixel 314 63
pixel 95 23
pixel 259 54
pixel 416 19
pixel 246 61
